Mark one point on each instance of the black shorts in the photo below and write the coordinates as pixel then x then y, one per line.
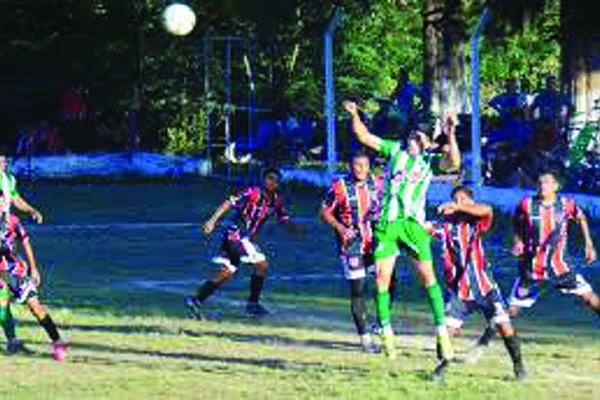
pixel 237 249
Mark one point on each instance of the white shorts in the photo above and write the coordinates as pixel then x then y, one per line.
pixel 356 266
pixel 236 250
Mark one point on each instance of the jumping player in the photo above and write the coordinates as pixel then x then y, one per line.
pixel 463 223
pixel 22 282
pixel 540 241
pixel 253 207
pixel 350 207
pixel 400 224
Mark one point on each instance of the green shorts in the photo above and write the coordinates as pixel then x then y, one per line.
pixel 406 235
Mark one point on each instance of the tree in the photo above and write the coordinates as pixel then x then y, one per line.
pixel 580 38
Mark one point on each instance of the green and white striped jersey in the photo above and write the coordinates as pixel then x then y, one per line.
pixel 406 182
pixel 8 186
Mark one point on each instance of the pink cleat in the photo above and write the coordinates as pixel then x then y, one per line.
pixel 60 350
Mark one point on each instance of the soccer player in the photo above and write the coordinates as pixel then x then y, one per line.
pixel 21 282
pixel 400 224
pixel 253 207
pixel 8 185
pixel 463 223
pixel 540 240
pixel 350 207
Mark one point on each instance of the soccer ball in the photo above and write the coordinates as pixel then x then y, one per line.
pixel 179 19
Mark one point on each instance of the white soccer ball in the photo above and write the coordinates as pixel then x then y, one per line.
pixel 179 19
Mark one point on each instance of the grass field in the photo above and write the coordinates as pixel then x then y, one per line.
pixel 117 259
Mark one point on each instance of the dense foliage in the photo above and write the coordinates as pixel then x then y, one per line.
pixel 120 51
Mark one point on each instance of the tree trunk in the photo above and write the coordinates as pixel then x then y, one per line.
pixel 443 56
pixel 580 53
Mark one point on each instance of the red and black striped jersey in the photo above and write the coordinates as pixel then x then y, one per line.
pixel 356 205
pixel 544 231
pixel 11 231
pixel 254 206
pixel 464 259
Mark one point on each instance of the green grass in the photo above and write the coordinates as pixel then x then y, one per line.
pixel 133 341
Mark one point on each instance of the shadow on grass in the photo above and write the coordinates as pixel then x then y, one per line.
pixel 278 340
pixel 267 362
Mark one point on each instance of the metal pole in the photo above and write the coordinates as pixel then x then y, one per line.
pixel 250 108
pixel 228 104
pixel 206 96
pixel 475 115
pixel 329 90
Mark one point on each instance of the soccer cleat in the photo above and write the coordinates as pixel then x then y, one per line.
pixel 438 373
pixel 388 341
pixel 444 346
pixel 520 373
pixel 256 309
pixel 60 350
pixel 15 346
pixel 193 305
pixel 375 329
pixel 368 345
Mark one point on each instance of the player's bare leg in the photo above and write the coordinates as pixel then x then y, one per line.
pixel 592 301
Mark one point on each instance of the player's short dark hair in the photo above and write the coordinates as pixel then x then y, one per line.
pixel 462 189
pixel 271 170
pixel 357 154
pixel 552 172
pixel 555 174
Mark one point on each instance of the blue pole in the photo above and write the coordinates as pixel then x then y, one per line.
pixel 228 104
pixel 329 91
pixel 250 108
pixel 475 115
pixel 329 102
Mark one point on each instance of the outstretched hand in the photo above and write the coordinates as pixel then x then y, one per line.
pixel 350 106
pixel 448 208
pixel 590 253
pixel 449 120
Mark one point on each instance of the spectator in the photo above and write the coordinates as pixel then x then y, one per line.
pixel 404 94
pixel 44 139
pixel 510 104
pixel 74 106
pixel 551 112
pixel 109 133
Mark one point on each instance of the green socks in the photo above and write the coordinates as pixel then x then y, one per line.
pixel 436 302
pixel 383 308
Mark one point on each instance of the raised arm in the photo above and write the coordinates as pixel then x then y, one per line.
pixel 477 210
pixel 360 130
pixel 452 160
